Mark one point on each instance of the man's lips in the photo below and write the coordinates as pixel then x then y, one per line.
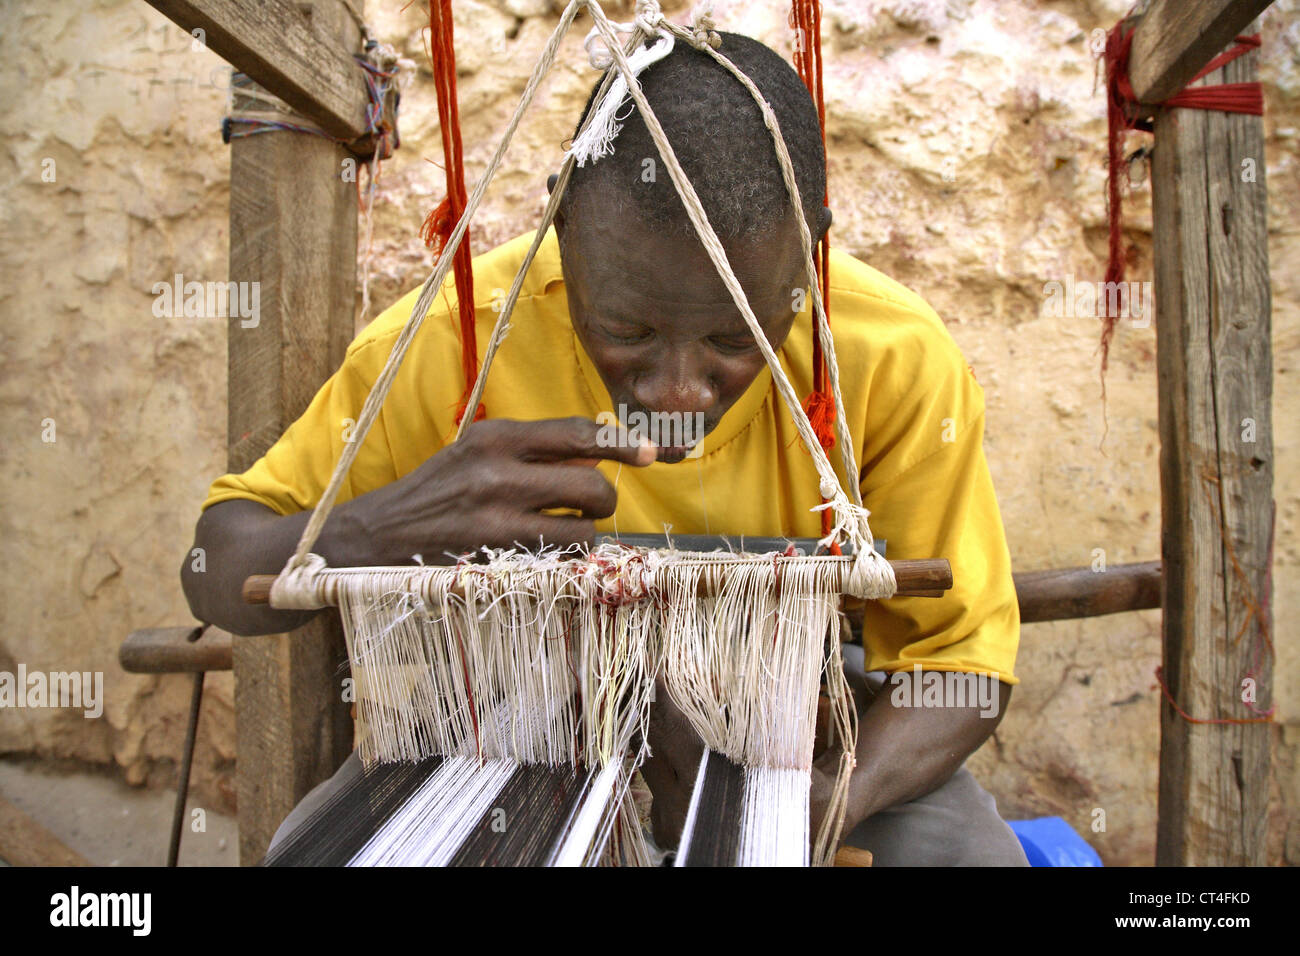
pixel 684 441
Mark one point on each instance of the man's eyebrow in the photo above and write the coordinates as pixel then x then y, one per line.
pixel 626 318
pixel 767 312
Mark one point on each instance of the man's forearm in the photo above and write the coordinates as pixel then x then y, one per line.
pixel 235 539
pixel 906 752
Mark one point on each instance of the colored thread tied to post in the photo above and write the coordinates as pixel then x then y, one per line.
pixel 1123 112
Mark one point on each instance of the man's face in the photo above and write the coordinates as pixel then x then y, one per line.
pixel 656 320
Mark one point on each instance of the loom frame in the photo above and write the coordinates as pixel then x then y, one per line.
pixel 293 729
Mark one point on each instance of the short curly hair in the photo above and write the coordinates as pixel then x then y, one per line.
pixel 717 131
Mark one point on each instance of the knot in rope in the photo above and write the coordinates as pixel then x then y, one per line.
pixel 618 575
pixel 299 586
pixel 870 576
pixel 648 19
pixel 702 30
pixel 648 16
pixel 597 139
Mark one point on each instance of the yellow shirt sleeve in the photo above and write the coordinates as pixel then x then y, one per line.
pixel 931 495
pixel 292 475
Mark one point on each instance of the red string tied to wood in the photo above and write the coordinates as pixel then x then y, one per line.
pixel 1124 112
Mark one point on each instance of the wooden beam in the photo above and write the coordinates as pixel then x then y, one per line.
pixel 293 229
pixel 852 856
pixel 1067 593
pixel 1176 38
pixel 24 842
pixel 287 50
pixel 1214 360
pixel 174 650
pixel 926 577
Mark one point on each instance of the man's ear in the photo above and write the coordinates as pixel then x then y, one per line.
pixel 551 180
pixel 823 222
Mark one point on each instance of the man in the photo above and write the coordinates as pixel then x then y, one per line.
pixel 622 310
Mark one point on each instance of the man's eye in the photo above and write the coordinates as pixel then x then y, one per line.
pixel 626 336
pixel 734 343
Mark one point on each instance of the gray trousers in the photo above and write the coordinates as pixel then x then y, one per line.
pixel 956 825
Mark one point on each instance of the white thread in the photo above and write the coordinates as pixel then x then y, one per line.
pixel 297 587
pixel 597 140
pixel 449 656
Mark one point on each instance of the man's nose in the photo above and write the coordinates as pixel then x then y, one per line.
pixel 677 384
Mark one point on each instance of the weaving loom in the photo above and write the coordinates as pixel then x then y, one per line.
pixel 519 682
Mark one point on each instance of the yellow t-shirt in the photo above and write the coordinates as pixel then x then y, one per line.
pixel 915 411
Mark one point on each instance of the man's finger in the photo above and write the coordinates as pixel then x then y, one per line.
pixel 560 439
pixel 568 486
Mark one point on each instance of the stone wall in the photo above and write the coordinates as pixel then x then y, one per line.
pixel 967 160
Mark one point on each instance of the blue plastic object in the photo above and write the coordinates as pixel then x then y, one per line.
pixel 1050 841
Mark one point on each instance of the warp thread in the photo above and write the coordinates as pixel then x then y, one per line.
pixel 611 688
pixel 552 657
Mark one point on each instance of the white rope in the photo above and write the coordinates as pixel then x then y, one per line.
pixel 540 658
pixel 379 391
pixel 874 577
pixel 597 140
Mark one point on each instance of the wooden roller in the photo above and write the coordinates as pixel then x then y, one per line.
pixel 928 577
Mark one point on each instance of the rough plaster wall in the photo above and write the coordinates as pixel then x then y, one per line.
pixel 94 525
pixel 967 160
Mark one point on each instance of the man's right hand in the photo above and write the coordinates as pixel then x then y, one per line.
pixel 492 488
pixel 488 489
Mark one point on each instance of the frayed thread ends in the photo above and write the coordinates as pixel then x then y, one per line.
pixel 597 140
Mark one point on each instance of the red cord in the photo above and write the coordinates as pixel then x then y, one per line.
pixel 442 220
pixel 1122 114
pixel 806 20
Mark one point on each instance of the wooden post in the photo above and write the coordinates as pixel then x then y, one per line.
pixel 1216 467
pixel 278 44
pixel 293 229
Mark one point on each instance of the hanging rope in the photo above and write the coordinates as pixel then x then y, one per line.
pixel 806 20
pixel 1123 113
pixel 867 575
pixel 443 219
